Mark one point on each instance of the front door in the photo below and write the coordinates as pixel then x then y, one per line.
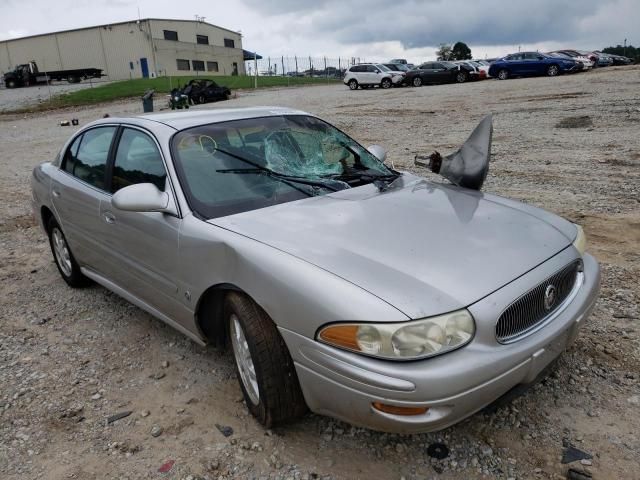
pixel 144 66
pixel 142 246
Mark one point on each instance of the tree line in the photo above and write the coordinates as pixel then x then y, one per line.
pixel 461 51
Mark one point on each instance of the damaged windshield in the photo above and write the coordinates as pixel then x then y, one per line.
pixel 242 165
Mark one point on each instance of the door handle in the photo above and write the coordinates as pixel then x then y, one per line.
pixel 109 217
pixel 55 193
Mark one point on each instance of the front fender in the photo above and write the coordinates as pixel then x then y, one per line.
pixel 297 295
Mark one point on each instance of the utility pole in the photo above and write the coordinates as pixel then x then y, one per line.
pixel 625 47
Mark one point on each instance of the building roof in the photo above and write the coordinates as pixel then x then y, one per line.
pixel 118 23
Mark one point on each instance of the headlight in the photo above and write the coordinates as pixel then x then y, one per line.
pixel 581 240
pixel 403 341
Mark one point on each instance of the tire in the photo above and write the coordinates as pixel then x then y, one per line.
pixel 66 263
pixel 11 84
pixel 462 77
pixel 385 83
pixel 353 84
pixel 73 79
pixel 503 74
pixel 553 71
pixel 264 366
pixel 416 82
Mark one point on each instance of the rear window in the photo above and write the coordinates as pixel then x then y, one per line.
pixel 86 159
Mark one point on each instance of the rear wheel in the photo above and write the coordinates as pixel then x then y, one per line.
pixel 385 83
pixel 11 84
pixel 73 79
pixel 417 82
pixel 462 77
pixel 553 70
pixel 503 74
pixel 67 265
pixel 263 364
pixel 353 84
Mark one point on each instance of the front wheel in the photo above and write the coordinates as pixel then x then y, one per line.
pixel 417 82
pixel 503 74
pixel 264 366
pixel 66 263
pixel 386 83
pixel 553 70
pixel 11 84
pixel 353 84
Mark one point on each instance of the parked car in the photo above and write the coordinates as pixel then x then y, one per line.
pixel 438 72
pixel 580 54
pixel 261 228
pixel 205 91
pixel 476 72
pixel 401 61
pixel 605 60
pixel 397 67
pixel 529 64
pixel 619 59
pixel 370 75
pixel 585 62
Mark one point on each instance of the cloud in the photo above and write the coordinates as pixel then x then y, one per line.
pixel 422 23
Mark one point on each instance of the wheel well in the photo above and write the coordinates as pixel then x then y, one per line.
pixel 210 313
pixel 46 215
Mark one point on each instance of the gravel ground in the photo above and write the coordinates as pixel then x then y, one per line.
pixel 14 98
pixel 69 359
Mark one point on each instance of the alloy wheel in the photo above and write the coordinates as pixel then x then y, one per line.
pixel 243 359
pixel 61 251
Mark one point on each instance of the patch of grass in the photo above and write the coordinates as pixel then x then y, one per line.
pixel 136 88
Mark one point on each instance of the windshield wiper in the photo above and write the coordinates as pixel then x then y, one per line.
pixel 337 185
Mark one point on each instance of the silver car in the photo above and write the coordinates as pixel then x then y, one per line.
pixel 343 286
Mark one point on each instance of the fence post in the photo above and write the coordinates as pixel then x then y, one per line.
pixel 326 74
pixel 296 59
pixel 310 67
pixel 282 63
pixel 255 74
pixel 269 71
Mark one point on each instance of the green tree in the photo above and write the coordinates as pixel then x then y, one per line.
pixel 461 51
pixel 444 52
pixel 628 51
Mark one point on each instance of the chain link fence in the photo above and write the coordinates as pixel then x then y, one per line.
pixel 299 69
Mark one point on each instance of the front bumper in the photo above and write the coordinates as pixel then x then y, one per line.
pixel 454 385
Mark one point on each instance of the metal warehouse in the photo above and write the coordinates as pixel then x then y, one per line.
pixel 134 49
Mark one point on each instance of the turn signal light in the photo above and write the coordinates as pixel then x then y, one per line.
pixel 395 410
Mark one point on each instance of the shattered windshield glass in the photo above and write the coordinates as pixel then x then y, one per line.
pixel 241 165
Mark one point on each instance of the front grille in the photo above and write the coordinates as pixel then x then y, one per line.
pixel 529 311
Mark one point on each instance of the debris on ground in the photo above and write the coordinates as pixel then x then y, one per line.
pixel 438 451
pixel 117 416
pixel 225 430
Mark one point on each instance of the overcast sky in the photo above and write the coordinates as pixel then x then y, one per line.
pixel 370 29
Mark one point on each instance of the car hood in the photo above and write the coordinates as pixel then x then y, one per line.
pixel 425 248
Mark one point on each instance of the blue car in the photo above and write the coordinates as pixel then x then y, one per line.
pixel 524 64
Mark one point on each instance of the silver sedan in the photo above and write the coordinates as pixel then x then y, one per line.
pixel 342 286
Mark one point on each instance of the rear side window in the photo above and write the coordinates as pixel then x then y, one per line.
pixel 137 161
pixel 86 159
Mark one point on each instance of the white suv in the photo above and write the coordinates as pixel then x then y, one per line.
pixel 368 75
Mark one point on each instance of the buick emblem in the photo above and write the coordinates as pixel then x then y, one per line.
pixel 549 297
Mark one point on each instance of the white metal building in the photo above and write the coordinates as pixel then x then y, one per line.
pixel 133 49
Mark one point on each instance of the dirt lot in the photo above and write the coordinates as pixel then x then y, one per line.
pixel 69 359
pixel 15 98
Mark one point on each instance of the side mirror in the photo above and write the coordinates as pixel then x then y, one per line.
pixel 379 152
pixel 468 166
pixel 141 197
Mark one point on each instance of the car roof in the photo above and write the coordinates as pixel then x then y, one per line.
pixel 193 118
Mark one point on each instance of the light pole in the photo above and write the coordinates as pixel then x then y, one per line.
pixel 625 47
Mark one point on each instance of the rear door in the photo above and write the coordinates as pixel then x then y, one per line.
pixel 516 64
pixel 440 73
pixel 77 190
pixel 141 246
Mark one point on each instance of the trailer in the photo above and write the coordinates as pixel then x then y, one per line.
pixel 28 74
